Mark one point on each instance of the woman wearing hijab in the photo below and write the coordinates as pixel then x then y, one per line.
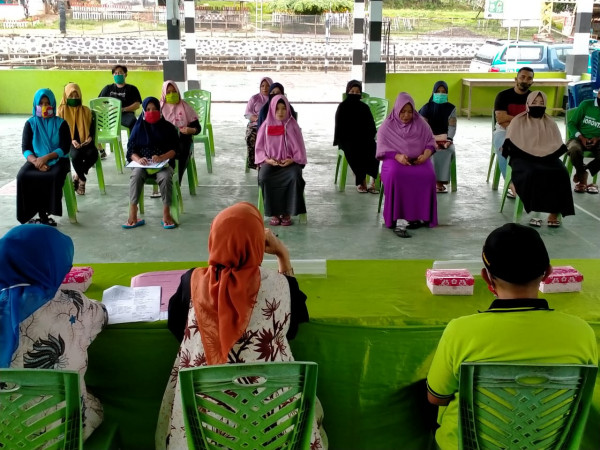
pixel 233 311
pixel 355 134
pixel 153 140
pixel 253 107
pixel 281 156
pixel 45 145
pixel 176 111
pixel 405 144
pixel 441 116
pixel 541 180
pixel 41 325
pixel 84 153
pixel 274 89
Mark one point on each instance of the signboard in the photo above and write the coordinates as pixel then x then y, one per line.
pixel 513 10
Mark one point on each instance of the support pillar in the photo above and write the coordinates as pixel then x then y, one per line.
pixel 577 63
pixel 190 45
pixel 374 69
pixel 174 67
pixel 358 40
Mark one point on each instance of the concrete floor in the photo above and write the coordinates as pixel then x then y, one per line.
pixel 341 225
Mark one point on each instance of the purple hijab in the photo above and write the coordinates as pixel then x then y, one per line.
pixel 410 139
pixel 290 144
pixel 257 101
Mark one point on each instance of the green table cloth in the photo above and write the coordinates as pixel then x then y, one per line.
pixel 373 330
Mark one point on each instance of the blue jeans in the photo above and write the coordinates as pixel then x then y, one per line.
pixel 497 140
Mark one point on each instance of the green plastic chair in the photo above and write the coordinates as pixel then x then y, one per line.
pixel 379 109
pixel 497 173
pixel 249 406
pixel 108 126
pixel 518 203
pixel 192 171
pixel 260 204
pixel 41 408
pixel 204 95
pixel 586 154
pixel 522 407
pixel 201 108
pixel 176 207
pixel 70 198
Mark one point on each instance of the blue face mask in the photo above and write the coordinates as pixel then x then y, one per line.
pixel 119 79
pixel 440 98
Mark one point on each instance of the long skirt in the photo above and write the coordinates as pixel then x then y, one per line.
pixel 361 159
pixel 283 189
pixel 410 192
pixel 83 158
pixel 442 162
pixel 251 131
pixel 41 192
pixel 543 186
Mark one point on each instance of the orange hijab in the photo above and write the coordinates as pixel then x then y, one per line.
pixel 224 293
pixel 75 115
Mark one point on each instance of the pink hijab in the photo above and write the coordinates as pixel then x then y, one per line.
pixel 257 101
pixel 410 139
pixel 181 114
pixel 270 144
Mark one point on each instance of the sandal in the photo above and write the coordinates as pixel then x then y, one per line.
pixel 155 194
pixel 168 226
pixel 275 221
pixel 362 189
pixel 441 189
pixel 81 188
pixel 554 223
pixel 510 193
pixel 401 232
pixel 580 188
pixel 48 221
pixel 414 224
pixel 591 189
pixel 129 226
pixel 286 222
pixel 535 222
pixel 34 221
pixel 372 189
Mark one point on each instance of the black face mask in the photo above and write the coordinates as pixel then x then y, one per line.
pixel 354 97
pixel 537 112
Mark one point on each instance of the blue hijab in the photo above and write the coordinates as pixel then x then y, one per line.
pixel 34 260
pixel 46 137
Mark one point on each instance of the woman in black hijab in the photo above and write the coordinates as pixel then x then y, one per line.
pixel 355 134
pixel 153 140
pixel 274 89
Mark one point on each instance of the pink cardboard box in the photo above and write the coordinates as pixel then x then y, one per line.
pixel 562 279
pixel 168 280
pixel 78 279
pixel 450 281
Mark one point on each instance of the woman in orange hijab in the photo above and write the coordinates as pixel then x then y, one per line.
pixel 233 311
pixel 84 153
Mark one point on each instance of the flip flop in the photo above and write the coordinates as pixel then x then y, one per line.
pixel 275 221
pixel 591 189
pixel 286 222
pixel 510 193
pixel 139 223
pixel 554 223
pixel 580 188
pixel 361 189
pixel 168 227
pixel 155 195
pixel 535 222
pixel 401 232
pixel 442 190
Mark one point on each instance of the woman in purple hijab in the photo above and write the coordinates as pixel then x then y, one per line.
pixel 405 144
pixel 253 108
pixel 281 156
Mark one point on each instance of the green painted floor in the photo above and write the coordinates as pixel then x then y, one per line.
pixel 341 225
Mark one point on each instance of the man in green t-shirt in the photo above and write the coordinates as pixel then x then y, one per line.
pixel 584 127
pixel 518 327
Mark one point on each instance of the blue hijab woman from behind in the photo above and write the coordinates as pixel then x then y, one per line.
pixel 45 145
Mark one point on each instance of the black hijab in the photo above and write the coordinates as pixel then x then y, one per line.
pixel 437 114
pixel 149 139
pixel 354 123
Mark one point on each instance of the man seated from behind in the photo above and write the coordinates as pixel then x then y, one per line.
pixel 517 328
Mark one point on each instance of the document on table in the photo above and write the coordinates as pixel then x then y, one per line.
pixel 151 165
pixel 132 304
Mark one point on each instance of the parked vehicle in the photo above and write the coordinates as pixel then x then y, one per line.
pixel 510 56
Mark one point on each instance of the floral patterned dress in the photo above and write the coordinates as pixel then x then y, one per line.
pixel 264 340
pixel 57 336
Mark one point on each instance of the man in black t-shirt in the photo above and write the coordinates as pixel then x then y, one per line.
pixel 508 104
pixel 128 94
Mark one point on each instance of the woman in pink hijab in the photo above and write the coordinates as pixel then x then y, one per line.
pixel 405 144
pixel 255 104
pixel 281 156
pixel 176 111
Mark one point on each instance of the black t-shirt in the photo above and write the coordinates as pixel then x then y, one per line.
pixel 511 102
pixel 128 94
